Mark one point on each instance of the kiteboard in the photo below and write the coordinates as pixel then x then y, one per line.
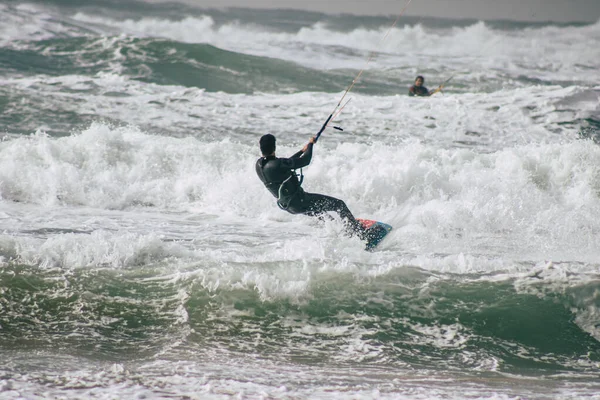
pixel 376 231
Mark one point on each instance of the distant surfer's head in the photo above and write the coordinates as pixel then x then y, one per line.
pixel 419 80
pixel 267 144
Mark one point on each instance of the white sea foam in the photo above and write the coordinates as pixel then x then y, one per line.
pixel 522 202
pixel 74 378
pixel 31 22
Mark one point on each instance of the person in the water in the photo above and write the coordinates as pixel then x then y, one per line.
pixel 418 89
pixel 279 176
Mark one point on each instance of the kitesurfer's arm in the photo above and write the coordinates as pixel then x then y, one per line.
pixel 302 158
pixel 438 89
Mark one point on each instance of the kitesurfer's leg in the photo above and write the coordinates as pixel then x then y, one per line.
pixel 317 204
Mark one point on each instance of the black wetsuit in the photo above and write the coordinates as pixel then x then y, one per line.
pixel 418 91
pixel 278 175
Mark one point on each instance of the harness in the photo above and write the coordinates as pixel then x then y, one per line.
pixel 281 185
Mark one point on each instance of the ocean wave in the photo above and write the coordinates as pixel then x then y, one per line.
pixel 543 52
pixel 434 194
pixel 166 62
pixel 545 46
pixel 128 157
pixel 408 317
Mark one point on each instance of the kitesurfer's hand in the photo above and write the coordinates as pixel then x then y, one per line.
pixel 311 141
pixel 437 89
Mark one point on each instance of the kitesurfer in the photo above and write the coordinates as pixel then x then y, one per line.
pixel 279 176
pixel 418 89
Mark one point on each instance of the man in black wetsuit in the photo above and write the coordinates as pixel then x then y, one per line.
pixel 418 89
pixel 279 176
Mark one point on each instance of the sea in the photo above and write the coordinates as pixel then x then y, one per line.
pixel 142 258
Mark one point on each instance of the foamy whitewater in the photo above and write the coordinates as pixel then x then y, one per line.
pixel 141 257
